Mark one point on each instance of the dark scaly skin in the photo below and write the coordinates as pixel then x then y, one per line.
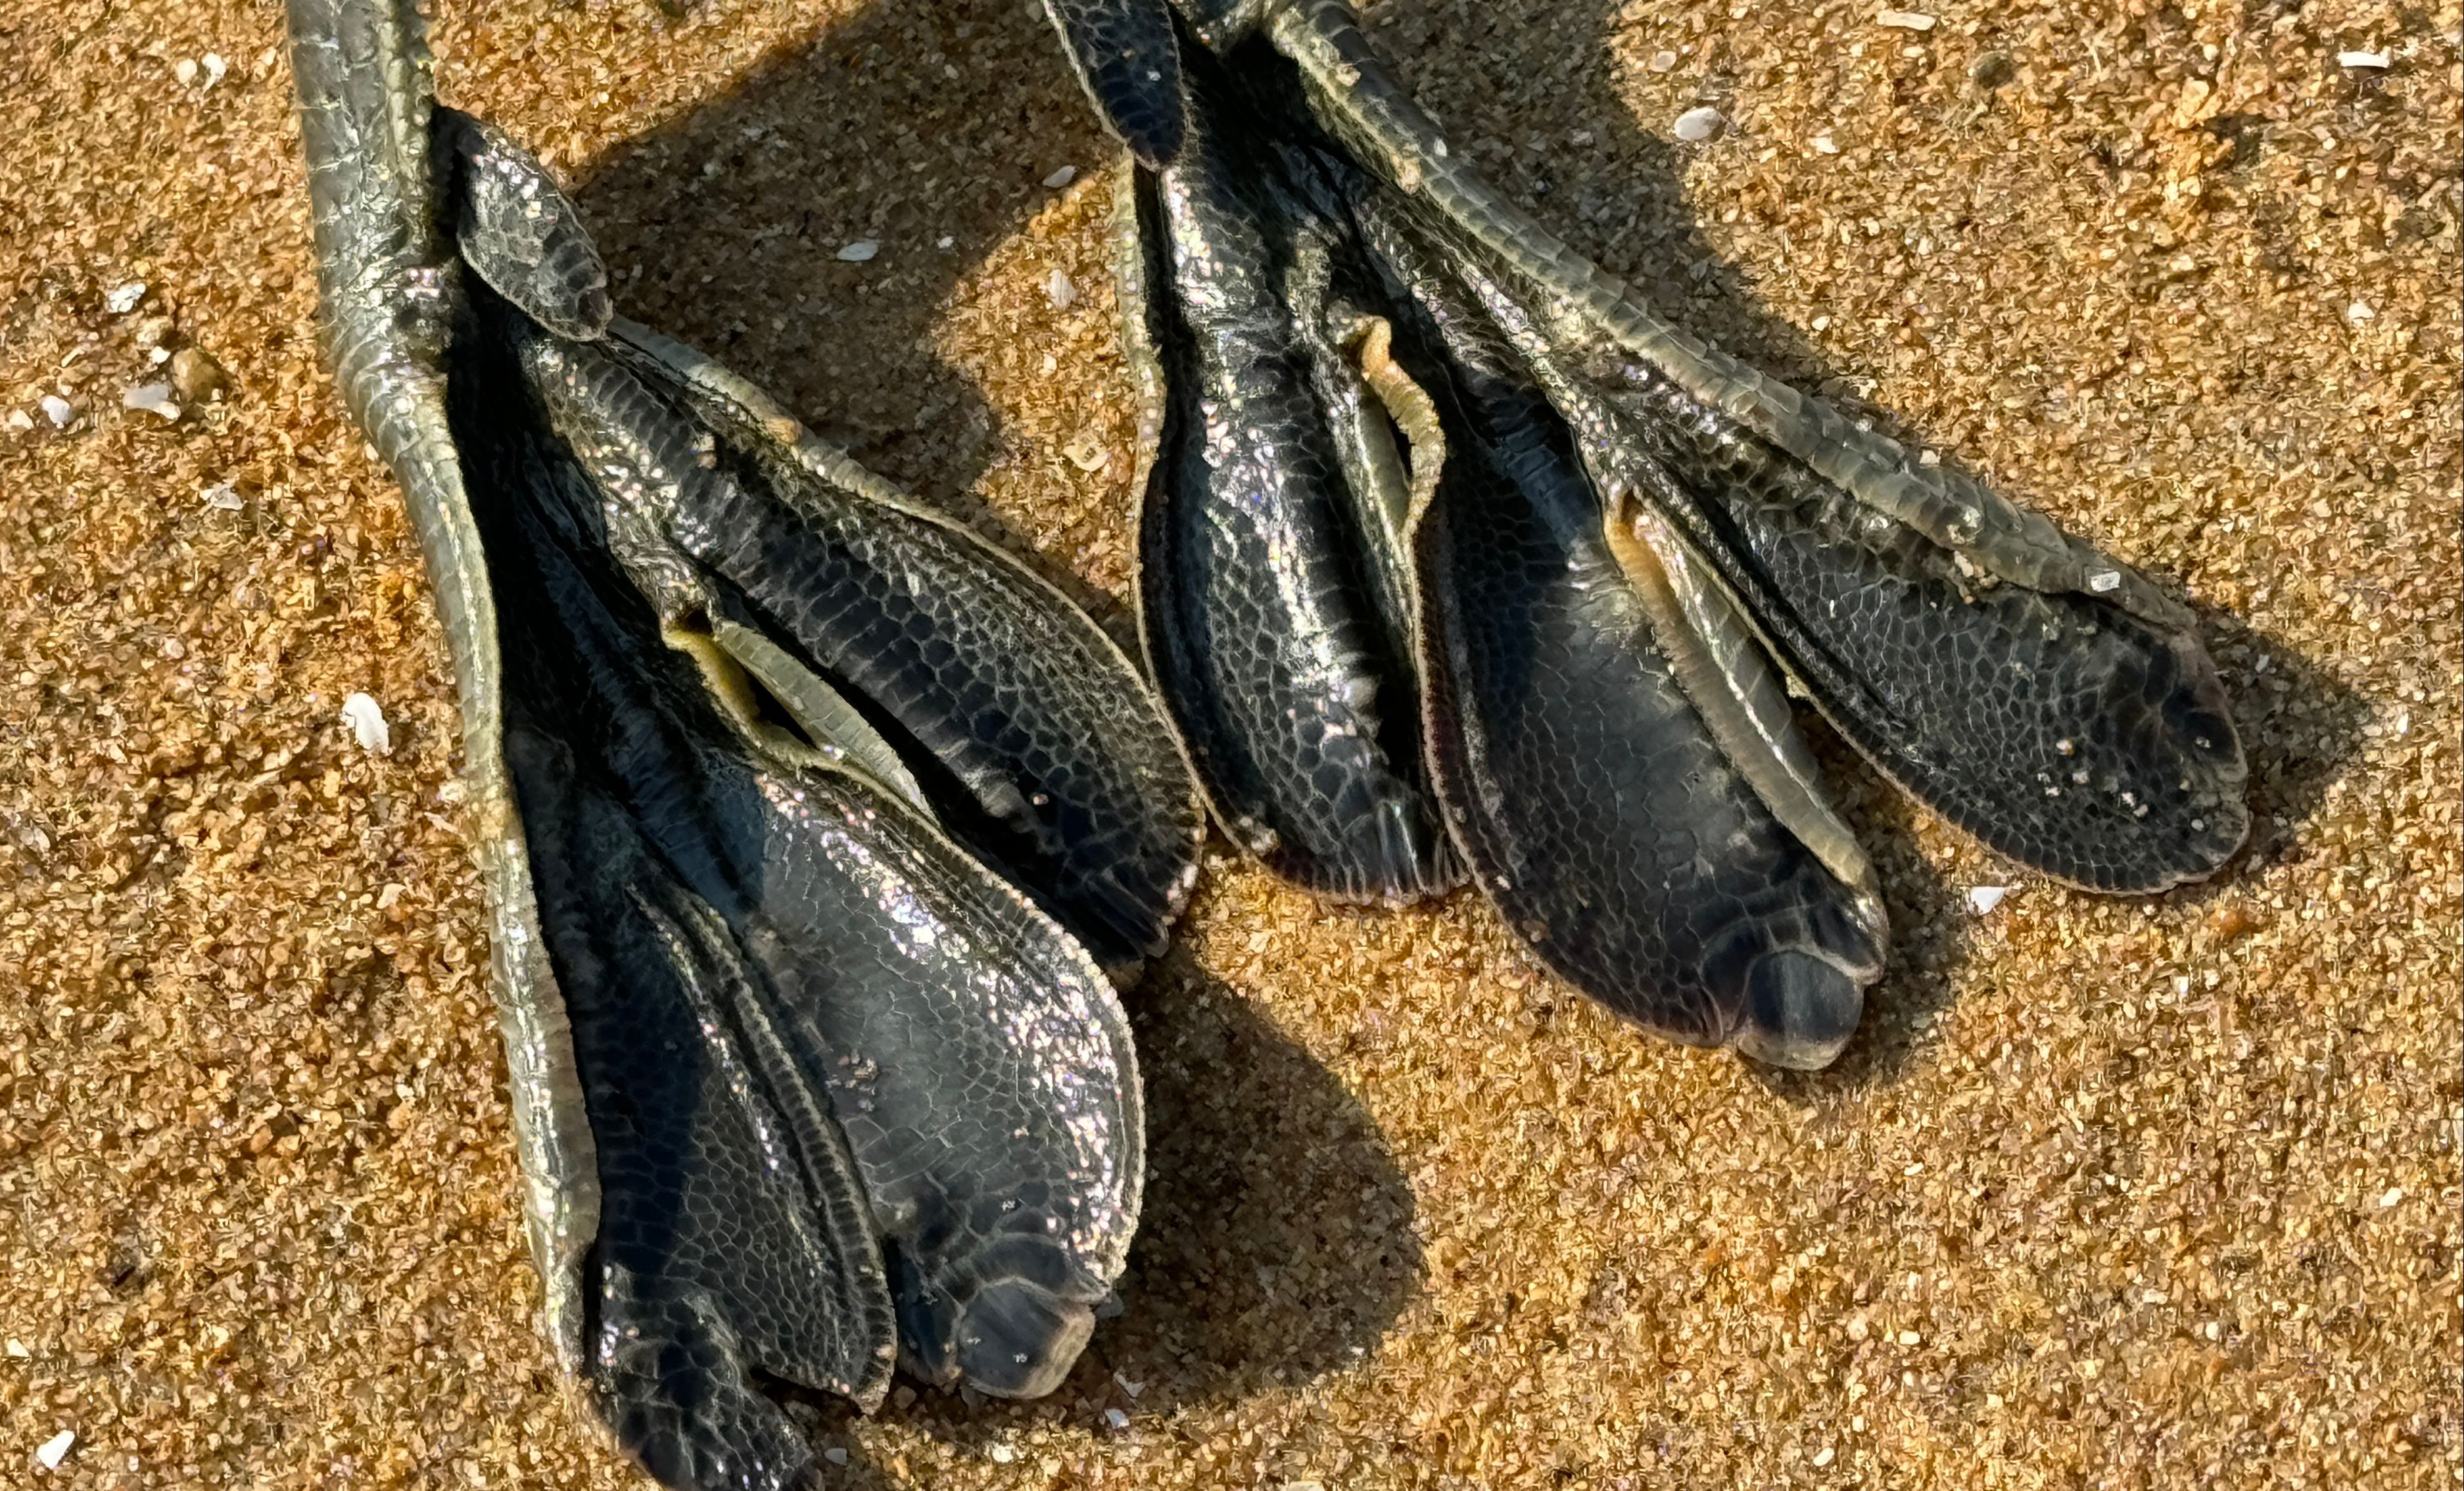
pixel 734 1230
pixel 1055 763
pixel 798 1082
pixel 2066 731
pixel 984 1081
pixel 1596 809
pixel 1263 641
pixel 1131 68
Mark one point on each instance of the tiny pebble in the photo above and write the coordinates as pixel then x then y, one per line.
pixel 158 357
pixel 19 419
pixel 836 1455
pixel 945 241
pixel 1910 1338
pixel 2359 312
pixel 196 375
pixel 2105 581
pixel 154 399
pixel 221 494
pixel 1823 1457
pixel 124 299
pixel 1982 899
pixel 1824 144
pixel 1928 459
pixel 1116 1420
pixel 1002 1454
pixel 1663 61
pixel 1698 125
pixel 19 1350
pixel 215 68
pixel 1906 20
pixel 859 252
pixel 366 720
pixel 1061 177
pixel 2394 1196
pixel 2370 59
pixel 1058 288
pixel 186 70
pixel 55 1449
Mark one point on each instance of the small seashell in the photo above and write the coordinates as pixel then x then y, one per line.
pixel 1698 125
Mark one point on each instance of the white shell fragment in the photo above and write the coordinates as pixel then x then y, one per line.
pixel 153 398
pixel 1698 125
pixel 124 298
pixel 54 1449
pixel 2105 581
pixel 859 252
pixel 1905 20
pixel 222 495
pixel 1061 177
pixel 1983 899
pixel 2369 59
pixel 57 409
pixel 366 720
pixel 1059 289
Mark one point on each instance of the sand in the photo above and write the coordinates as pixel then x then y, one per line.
pixel 2108 1192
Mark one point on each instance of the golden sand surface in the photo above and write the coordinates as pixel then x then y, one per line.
pixel 2107 1194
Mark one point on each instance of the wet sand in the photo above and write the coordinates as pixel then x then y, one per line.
pixel 2107 1192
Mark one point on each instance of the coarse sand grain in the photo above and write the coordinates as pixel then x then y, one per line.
pixel 2107 1192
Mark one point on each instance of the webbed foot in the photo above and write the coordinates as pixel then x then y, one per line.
pixel 1627 540
pixel 798 808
